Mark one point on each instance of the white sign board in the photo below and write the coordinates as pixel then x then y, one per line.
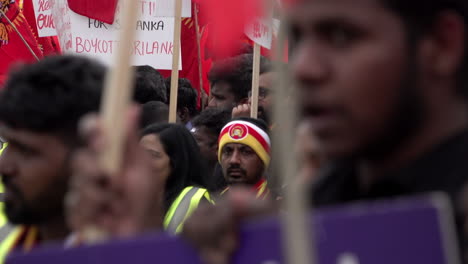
pixel 153 44
pixel 61 15
pixel 164 8
pixel 44 20
pixel 260 31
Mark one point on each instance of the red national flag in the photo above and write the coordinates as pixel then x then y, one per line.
pixel 12 48
pixel 102 10
pixel 228 19
pixel 189 52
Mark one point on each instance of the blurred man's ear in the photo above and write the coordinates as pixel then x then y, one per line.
pixel 442 50
pixel 183 115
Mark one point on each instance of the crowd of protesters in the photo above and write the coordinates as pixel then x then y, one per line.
pixel 382 96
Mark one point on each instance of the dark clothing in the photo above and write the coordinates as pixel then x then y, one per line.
pixel 218 179
pixel 444 168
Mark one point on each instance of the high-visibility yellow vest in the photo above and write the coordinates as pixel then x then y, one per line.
pixel 8 232
pixel 7 243
pixel 21 237
pixel 3 146
pixel 261 188
pixel 183 207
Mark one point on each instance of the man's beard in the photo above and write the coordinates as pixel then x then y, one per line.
pixel 47 205
pixel 19 212
pixel 406 119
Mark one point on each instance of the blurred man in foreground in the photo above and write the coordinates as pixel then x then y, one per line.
pixel 383 84
pixel 39 112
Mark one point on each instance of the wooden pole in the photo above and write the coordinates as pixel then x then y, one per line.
pixel 175 62
pixel 255 81
pixel 200 68
pixel 115 101
pixel 118 90
pixel 296 230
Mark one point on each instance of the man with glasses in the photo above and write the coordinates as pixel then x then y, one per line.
pixel 265 99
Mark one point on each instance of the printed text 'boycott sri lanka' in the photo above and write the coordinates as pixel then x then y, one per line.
pixel 109 46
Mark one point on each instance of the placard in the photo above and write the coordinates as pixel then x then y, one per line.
pixel 44 19
pixel 165 8
pixel 260 31
pixel 154 39
pixel 61 16
pixel 403 231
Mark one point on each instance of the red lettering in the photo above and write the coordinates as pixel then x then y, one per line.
pixel 79 45
pixel 97 46
pixel 44 5
pixel 171 47
pixel 148 49
pixel 164 47
pixel 136 48
pixel 156 47
pixel 87 45
pixel 45 21
pixel 256 30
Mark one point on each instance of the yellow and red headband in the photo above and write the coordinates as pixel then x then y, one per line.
pixel 243 132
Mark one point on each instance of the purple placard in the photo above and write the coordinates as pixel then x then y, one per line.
pixel 403 231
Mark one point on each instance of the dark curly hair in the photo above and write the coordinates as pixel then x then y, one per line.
pixel 186 95
pixel 237 72
pixel 213 119
pixel 153 112
pixel 149 85
pixel 52 95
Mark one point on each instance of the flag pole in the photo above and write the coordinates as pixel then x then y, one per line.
pixel 203 95
pixel 175 62
pixel 118 89
pixel 115 101
pixel 255 81
pixel 298 237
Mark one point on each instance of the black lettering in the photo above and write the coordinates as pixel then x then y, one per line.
pixel 160 25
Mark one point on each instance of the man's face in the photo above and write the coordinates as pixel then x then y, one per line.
pixel 350 60
pixel 265 99
pixel 222 96
pixel 207 142
pixel 241 165
pixel 34 169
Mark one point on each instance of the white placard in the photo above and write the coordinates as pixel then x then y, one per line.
pixel 153 44
pixel 260 31
pixel 164 8
pixel 44 19
pixel 61 15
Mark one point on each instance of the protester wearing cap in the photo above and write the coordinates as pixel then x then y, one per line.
pixel 244 153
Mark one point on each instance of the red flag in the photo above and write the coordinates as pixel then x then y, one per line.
pixel 189 52
pixel 12 47
pixel 228 19
pixel 102 10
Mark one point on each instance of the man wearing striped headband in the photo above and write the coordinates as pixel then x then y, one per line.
pixel 244 153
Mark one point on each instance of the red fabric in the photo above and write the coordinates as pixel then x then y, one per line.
pixel 48 45
pixel 12 48
pixel 271 54
pixel 227 20
pixel 189 53
pixel 207 62
pixel 102 10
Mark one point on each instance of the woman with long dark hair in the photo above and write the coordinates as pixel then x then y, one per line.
pixel 175 156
